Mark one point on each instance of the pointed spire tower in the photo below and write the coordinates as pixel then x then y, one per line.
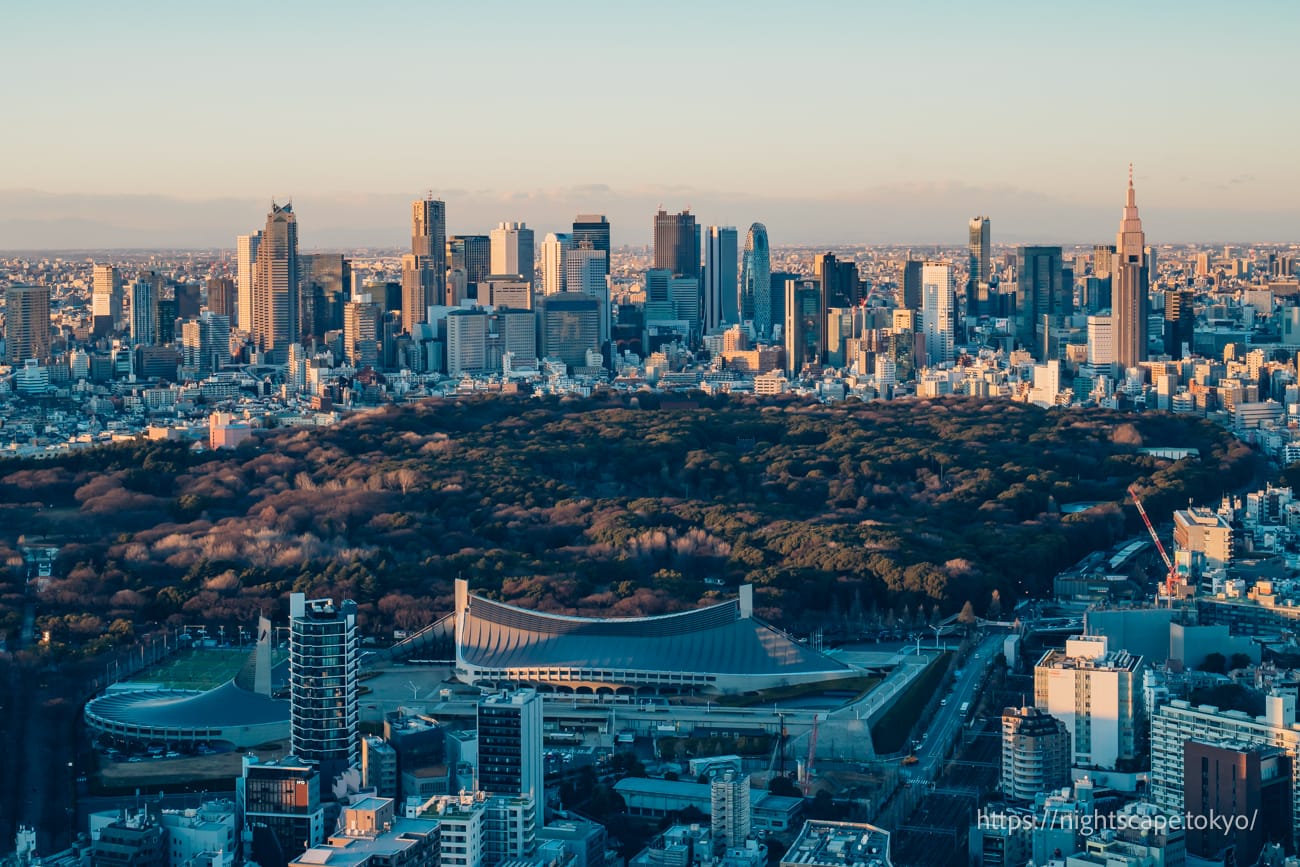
pixel 1129 284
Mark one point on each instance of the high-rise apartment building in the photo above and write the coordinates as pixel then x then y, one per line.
pixel 555 251
pixel 938 312
pixel 677 243
pixel 592 229
pixel 245 269
pixel 510 760
pixel 324 650
pixel 721 289
pixel 27 323
pixel 106 299
pixel 1176 724
pixel 730 813
pixel 1035 753
pixel 1042 298
pixel 1097 694
pixel 805 325
pixel 1129 283
pixel 755 281
pixel 146 292
pixel 512 250
pixel 275 284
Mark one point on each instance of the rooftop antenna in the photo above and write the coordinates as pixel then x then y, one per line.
pixel 415 690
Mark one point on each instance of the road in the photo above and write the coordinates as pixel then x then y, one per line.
pixel 944 729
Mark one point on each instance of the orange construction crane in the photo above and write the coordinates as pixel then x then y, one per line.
pixel 1171 576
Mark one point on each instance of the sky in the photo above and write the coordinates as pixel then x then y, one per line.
pixel 163 124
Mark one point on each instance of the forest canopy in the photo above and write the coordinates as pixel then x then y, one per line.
pixel 856 512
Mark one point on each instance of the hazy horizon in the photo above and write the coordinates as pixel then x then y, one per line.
pixel 159 125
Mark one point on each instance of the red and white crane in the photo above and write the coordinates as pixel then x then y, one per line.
pixel 1171 576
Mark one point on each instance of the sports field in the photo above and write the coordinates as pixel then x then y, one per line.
pixel 201 668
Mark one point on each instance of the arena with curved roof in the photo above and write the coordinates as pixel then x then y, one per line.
pixel 240 712
pixel 721 649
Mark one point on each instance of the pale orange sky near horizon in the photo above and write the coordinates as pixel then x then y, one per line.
pixel 825 120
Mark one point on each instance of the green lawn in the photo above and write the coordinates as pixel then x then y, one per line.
pixel 889 734
pixel 201 668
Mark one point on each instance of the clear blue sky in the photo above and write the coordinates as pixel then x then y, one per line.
pixel 833 113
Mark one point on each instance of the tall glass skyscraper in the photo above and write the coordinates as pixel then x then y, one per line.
pixel 721 306
pixel 755 281
pixel 1042 298
pixel 275 284
pixel 324 652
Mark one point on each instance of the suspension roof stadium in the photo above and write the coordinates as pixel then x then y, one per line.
pixel 720 649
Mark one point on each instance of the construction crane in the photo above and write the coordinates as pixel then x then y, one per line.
pixel 1171 575
pixel 812 753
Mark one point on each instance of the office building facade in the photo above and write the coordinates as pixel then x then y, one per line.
pixel 1129 285
pixel 1097 694
pixel 275 285
pixel 721 294
pixel 593 230
pixel 1041 298
pixel 677 243
pixel 512 250
pixel 27 323
pixel 755 281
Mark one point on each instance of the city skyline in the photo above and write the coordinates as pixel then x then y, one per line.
pixel 886 175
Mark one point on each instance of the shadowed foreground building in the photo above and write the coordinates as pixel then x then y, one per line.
pixel 723 648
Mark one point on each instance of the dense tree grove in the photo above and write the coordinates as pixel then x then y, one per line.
pixel 853 513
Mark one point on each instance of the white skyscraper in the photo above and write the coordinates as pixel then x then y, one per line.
pixel 1101 341
pixel 721 287
pixel 246 260
pixel 938 311
pixel 555 250
pixel 512 250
